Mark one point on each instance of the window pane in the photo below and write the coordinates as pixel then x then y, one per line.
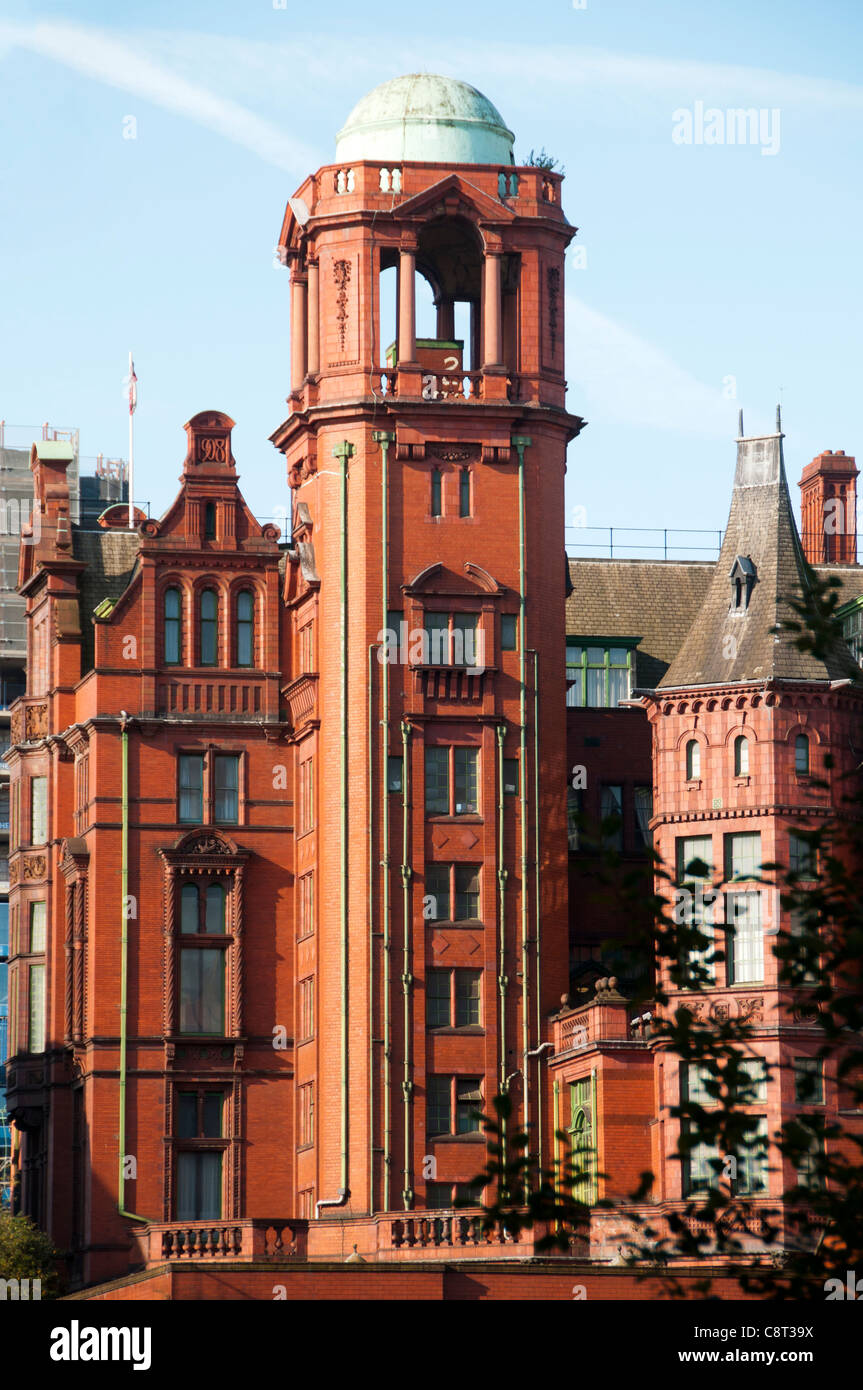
pixel 464 640
pixel 437 639
pixel 202 975
pixel 618 685
pixel 801 856
pixel 808 1080
pixel 467 987
pixel 643 813
pixel 212 1113
pixel 394 774
pixel 172 627
pixel 742 856
pixel 746 944
pixel 209 627
pixel 438 1005
pixel 437 889
pixel 189 908
pixel 466 894
pixel 191 788
pixel 38 810
pixel 741 756
pixel 436 492
pixel 227 772
pixel 695 858
pixel 510 776
pixel 595 687
pixel 618 656
pixel 245 628
pixel 508 632
pixel 37 926
pixel 801 755
pixel 611 808
pixel 199 1186
pixel 437 781
pixel 438 1113
pixel 36 1040
pixel 464 492
pixel 752 1161
pixel 596 656
pixel 187 1115
pixel 465 761
pixel 215 921
pixel 693 759
pixel 468 1105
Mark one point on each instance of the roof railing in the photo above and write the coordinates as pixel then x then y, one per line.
pixel 613 543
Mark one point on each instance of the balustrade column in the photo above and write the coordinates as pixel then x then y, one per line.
pixel 314 321
pixel 407 307
pixel 298 329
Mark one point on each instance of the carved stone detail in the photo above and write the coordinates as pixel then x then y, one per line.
pixel 553 283
pixel 342 276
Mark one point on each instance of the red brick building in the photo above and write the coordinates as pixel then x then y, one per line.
pixel 292 895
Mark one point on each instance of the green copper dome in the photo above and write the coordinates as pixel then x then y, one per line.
pixel 425 117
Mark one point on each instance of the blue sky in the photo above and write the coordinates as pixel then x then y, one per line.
pixel 716 276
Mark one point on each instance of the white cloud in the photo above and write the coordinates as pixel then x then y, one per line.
pixel 120 62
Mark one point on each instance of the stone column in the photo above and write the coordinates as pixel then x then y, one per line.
pixel 314 329
pixel 407 307
pixel 298 329
pixel 446 319
pixel 493 347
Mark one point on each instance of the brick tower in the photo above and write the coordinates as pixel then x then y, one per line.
pixel 428 480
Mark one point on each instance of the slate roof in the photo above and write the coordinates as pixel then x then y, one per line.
pixel 654 600
pixel 725 645
pixel 110 557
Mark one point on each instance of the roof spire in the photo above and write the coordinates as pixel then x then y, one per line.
pixel 779 419
pixel 740 424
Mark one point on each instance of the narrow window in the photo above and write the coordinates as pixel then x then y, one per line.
pixel 173 627
pixel 36 1036
pixel 801 755
pixel 809 1080
pixel 436 907
pixel 202 991
pixel 468 1101
pixel 209 521
pixel 508 632
pixel 436 639
pixel 38 810
pixel 189 924
pixel 464 637
pixel 191 788
pixel 510 776
pixel 38 912
pixel 741 756
pixel 467 998
pixel 227 787
pixel 439 999
pixel 437 781
pixel 394 774
pixel 439 1105
pixel 611 814
pixel 802 856
pixel 215 909
pixel 199 1186
pixel 436 506
pixel 209 627
pixel 465 781
pixel 464 492
pixel 466 893
pixel 245 628
pixel 745 947
pixel 693 760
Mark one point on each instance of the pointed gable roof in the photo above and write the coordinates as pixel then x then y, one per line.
pixel 730 642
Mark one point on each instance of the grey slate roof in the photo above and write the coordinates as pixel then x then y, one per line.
pixel 110 557
pixel 725 646
pixel 654 600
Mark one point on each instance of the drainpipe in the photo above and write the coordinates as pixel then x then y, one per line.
pixel 339 1201
pixel 385 439
pixel 520 442
pixel 407 975
pixel 556 1104
pixel 502 875
pixel 343 452
pixel 371 868
pixel 538 932
pixel 124 966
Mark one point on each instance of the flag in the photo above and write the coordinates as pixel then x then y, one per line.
pixel 133 386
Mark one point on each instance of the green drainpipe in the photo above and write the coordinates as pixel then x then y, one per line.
pixel 124 969
pixel 502 981
pixel 407 975
pixel 520 442
pixel 385 439
pixel 343 452
pixel 538 931
pixel 371 869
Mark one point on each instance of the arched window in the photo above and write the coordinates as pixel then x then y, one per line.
pixel 215 918
pixel 189 909
pixel 209 628
pixel 693 759
pixel 741 756
pixel 801 755
pixel 173 627
pixel 245 628
pixel 210 521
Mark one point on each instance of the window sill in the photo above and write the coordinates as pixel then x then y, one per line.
pixel 466 1030
pixel 439 818
pixel 693 784
pixel 475 1136
pixel 742 781
pixel 472 922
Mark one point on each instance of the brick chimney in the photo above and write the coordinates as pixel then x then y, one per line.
pixel 828 501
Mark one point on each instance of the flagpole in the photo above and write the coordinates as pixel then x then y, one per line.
pixel 131 448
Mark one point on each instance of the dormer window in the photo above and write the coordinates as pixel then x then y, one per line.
pixel 743 576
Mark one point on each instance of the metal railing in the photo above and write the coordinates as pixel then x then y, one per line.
pixel 612 545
